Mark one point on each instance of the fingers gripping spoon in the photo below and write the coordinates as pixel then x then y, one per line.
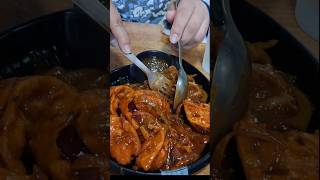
pixel 182 83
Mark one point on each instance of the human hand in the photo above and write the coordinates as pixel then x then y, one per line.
pixel 190 22
pixel 118 30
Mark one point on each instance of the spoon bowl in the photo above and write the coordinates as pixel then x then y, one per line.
pixel 182 82
pixel 231 73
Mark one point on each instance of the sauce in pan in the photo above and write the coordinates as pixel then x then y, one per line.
pixel 270 139
pixel 52 126
pixel 145 134
pixel 155 64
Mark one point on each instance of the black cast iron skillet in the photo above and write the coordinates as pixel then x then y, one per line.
pixel 289 56
pixel 132 74
pixel 69 39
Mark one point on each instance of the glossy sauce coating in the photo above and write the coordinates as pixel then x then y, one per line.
pixel 52 126
pixel 167 141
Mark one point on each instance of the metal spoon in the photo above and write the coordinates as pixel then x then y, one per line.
pixel 231 73
pixel 182 83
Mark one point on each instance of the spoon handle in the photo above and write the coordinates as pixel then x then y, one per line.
pixel 218 16
pixel 180 55
pixel 138 63
pixel 179 42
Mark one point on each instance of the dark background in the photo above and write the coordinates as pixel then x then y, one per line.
pixel 15 12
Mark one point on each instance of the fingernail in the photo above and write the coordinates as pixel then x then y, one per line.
pixel 174 38
pixel 114 43
pixel 126 49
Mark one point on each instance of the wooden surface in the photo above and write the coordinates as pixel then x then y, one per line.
pixel 145 37
pixel 283 12
pixel 149 37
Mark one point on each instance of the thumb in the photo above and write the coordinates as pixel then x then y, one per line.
pixel 118 30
